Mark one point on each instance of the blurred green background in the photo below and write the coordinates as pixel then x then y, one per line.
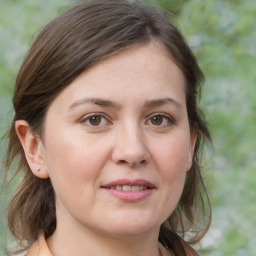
pixel 222 34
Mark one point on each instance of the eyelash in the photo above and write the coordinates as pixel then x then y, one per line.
pixel 163 117
pixel 100 115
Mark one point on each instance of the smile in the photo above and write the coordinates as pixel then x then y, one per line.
pixel 129 188
pixel 130 191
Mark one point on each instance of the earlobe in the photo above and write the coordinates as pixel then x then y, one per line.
pixel 33 148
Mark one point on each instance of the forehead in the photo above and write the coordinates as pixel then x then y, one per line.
pixel 140 72
pixel 147 55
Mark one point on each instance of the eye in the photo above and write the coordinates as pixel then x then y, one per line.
pixel 161 120
pixel 156 120
pixel 95 119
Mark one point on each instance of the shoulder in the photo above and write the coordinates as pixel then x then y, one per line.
pixel 39 248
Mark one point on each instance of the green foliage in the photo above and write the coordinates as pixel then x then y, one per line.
pixel 20 22
pixel 222 34
pixel 173 6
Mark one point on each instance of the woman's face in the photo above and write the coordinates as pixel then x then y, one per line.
pixel 117 144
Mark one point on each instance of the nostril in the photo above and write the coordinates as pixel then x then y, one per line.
pixel 133 163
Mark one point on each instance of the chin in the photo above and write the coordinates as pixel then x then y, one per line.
pixel 129 232
pixel 133 225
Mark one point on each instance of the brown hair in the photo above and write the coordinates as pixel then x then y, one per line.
pixel 68 45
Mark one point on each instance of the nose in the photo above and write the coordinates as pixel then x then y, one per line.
pixel 130 147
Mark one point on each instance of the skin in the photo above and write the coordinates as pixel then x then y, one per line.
pixel 137 100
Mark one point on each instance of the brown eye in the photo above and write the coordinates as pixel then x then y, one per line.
pixel 95 120
pixel 160 121
pixel 156 120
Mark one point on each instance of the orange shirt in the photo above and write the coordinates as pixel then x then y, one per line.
pixel 40 248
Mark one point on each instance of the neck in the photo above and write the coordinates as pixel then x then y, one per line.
pixel 80 242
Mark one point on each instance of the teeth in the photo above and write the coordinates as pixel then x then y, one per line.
pixel 136 188
pixel 129 188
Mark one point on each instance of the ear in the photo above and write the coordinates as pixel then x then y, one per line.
pixel 191 149
pixel 33 148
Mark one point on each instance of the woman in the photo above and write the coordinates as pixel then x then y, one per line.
pixel 108 134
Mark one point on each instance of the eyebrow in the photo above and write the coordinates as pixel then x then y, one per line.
pixel 108 103
pixel 161 102
pixel 96 101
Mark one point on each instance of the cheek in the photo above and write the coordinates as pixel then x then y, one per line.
pixel 173 175
pixel 72 162
pixel 74 171
pixel 172 164
pixel 172 155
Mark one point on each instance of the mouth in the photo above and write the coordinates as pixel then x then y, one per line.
pixel 129 190
pixel 129 185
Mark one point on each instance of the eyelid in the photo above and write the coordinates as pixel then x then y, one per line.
pixel 164 115
pixel 86 117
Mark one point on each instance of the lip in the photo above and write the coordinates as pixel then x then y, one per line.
pixel 129 196
pixel 122 182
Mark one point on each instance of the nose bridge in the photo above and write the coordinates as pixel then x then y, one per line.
pixel 130 145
